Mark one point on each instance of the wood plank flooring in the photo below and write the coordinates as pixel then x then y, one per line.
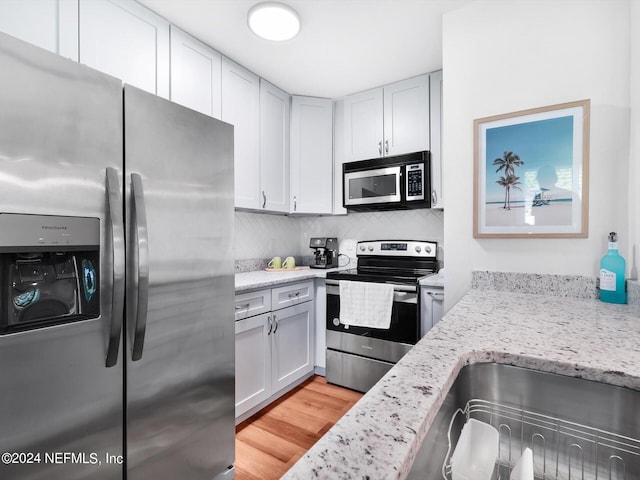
pixel 271 441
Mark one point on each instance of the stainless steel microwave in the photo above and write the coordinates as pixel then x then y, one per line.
pixel 389 183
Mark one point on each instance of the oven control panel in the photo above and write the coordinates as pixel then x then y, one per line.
pixel 397 248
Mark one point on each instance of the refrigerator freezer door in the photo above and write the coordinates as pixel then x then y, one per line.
pixel 180 382
pixel 60 129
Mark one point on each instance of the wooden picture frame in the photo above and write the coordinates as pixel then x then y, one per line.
pixel 531 173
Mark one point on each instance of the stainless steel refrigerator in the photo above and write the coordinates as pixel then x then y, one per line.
pixel 116 263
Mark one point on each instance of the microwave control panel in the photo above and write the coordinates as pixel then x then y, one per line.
pixel 415 181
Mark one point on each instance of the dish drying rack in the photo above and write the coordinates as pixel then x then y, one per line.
pixel 562 450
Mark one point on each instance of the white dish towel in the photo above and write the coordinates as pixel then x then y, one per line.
pixel 366 304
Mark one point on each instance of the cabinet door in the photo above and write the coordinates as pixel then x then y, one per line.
pixel 435 113
pixel 406 116
pixel 311 155
pixel 49 24
pixel 431 307
pixel 241 108
pixel 292 344
pixel 196 72
pixel 253 362
pixel 339 157
pixel 363 123
pixel 124 39
pixel 274 148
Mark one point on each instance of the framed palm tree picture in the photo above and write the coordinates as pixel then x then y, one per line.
pixel 531 173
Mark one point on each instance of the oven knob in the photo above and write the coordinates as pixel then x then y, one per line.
pixel 418 248
pixel 336 321
pixel 362 248
pixel 371 248
pixel 427 249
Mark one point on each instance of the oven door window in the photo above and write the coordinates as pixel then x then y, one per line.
pixel 373 186
pixel 405 324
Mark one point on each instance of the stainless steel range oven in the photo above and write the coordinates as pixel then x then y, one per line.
pixel 358 356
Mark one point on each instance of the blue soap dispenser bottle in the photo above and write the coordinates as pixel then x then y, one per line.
pixel 612 270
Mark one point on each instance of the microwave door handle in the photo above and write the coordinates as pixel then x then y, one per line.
pixel 140 268
pixel 116 226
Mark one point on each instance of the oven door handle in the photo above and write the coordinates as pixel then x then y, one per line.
pixel 396 288
pixel 406 294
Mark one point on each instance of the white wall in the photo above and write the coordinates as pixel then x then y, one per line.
pixel 505 56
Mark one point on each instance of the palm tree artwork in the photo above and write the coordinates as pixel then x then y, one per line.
pixel 508 164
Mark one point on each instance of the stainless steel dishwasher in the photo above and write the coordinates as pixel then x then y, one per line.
pixel 577 429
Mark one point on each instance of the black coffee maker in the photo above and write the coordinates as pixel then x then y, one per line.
pixel 326 252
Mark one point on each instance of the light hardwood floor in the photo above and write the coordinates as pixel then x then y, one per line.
pixel 271 441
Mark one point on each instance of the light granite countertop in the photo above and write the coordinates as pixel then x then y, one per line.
pixel 264 279
pixel 380 436
pixel 435 280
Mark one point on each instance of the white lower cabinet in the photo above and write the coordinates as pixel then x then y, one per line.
pixel 253 367
pixel 431 307
pixel 274 350
pixel 291 344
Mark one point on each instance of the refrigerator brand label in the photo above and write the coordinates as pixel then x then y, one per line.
pixel 54 227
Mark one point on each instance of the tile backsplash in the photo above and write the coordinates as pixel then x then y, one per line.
pixel 261 236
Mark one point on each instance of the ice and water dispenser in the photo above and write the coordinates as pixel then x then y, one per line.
pixel 49 270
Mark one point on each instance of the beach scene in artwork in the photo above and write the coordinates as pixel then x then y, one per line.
pixel 529 174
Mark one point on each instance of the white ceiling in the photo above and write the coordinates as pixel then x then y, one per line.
pixel 344 46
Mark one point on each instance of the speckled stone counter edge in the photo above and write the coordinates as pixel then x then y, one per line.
pixel 574 286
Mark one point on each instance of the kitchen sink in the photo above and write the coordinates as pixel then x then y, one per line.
pixel 576 428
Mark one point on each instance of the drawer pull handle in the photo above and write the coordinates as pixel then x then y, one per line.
pixel 296 294
pixel 243 306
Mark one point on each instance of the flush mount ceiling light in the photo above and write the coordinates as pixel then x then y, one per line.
pixel 274 21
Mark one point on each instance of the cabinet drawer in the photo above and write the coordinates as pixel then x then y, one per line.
pixel 252 303
pixel 292 294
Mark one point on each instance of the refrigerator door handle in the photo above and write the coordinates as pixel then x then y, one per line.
pixel 141 267
pixel 115 223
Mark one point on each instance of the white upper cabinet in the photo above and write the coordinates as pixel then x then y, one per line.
pixel 406 116
pixel 49 24
pixel 386 121
pixel 363 124
pixel 196 74
pixel 311 155
pixel 274 148
pixel 241 108
pixel 124 39
pixel 435 82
